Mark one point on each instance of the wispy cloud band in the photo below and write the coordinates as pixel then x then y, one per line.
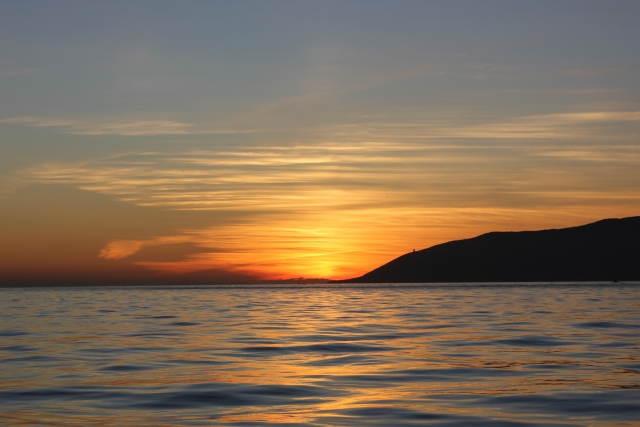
pixel 409 125
pixel 120 127
pixel 310 208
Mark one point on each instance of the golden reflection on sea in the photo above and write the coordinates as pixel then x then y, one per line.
pixel 321 355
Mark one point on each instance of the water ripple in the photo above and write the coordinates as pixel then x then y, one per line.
pixel 498 355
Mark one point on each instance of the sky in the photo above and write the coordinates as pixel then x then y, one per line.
pixel 241 141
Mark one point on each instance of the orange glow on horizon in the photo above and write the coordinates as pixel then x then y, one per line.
pixel 339 246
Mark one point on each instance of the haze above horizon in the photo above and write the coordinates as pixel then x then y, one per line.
pixel 237 141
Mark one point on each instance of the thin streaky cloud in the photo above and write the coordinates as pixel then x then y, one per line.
pixel 119 249
pixel 620 156
pixel 567 126
pixel 422 125
pixel 305 178
pixel 121 128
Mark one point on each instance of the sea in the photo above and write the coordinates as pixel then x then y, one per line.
pixel 494 355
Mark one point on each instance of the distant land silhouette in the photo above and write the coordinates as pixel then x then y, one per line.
pixel 606 250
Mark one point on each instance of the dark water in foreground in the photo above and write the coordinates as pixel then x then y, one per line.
pixel 456 355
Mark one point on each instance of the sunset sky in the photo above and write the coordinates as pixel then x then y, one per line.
pixel 252 140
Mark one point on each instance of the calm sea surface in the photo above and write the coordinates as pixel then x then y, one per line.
pixel 369 355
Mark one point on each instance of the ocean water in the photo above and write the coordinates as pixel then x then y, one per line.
pixel 339 355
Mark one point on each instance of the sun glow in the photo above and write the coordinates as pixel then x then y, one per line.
pixel 336 209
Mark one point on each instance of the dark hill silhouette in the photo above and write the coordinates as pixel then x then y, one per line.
pixel 601 251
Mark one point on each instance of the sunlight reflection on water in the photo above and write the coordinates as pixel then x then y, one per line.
pixel 337 355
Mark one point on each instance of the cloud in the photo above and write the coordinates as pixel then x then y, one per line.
pixel 119 249
pixel 256 178
pixel 122 248
pixel 120 127
pixel 619 156
pixel 348 201
pixel 346 245
pixel 402 124
pixel 562 126
pixel 393 169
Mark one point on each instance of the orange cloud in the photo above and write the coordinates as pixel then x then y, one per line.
pixel 122 248
pixel 119 249
pixel 338 208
